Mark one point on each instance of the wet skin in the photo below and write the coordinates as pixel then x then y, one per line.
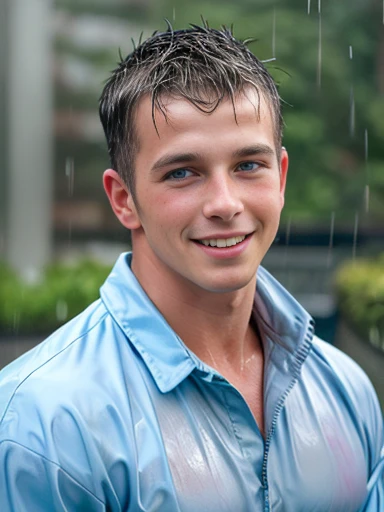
pixel 204 177
pixel 196 180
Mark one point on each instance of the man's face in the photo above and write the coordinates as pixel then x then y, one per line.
pixel 209 192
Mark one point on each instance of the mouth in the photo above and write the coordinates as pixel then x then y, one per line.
pixel 223 242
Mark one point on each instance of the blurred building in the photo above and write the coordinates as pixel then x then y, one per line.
pixel 54 58
pixel 26 134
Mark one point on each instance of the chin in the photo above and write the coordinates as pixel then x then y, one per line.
pixel 227 285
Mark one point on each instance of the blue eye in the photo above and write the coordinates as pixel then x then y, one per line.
pixel 179 174
pixel 248 166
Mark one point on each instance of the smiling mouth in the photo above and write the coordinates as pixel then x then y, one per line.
pixel 223 242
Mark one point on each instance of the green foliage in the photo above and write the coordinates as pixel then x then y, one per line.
pixel 360 287
pixel 63 292
pixel 328 172
pixel 330 102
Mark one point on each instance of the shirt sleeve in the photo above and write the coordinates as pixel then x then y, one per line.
pixel 375 452
pixel 375 500
pixel 364 405
pixel 31 483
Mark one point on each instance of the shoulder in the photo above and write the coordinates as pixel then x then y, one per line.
pixel 52 365
pixel 59 400
pixel 349 385
pixel 346 372
pixel 64 404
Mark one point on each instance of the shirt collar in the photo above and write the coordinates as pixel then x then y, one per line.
pixel 169 361
pixel 286 330
pixel 283 319
pixel 161 349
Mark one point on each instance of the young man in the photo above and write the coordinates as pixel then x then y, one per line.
pixel 195 383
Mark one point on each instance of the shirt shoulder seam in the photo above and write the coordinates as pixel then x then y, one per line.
pixel 11 441
pixel 47 361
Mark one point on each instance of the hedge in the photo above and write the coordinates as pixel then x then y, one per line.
pixel 66 289
pixel 63 291
pixel 360 289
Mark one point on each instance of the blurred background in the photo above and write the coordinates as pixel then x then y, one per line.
pixel 58 235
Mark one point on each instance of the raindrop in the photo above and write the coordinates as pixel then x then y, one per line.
pixel 366 189
pixel 319 6
pixel 287 240
pixel 309 6
pixel 352 112
pixel 16 321
pixel 366 198
pixel 274 33
pixel 366 145
pixel 350 52
pixel 61 310
pixel 319 52
pixel 374 336
pixel 212 359
pixel 355 230
pixel 331 236
pixel 174 14
pixel 70 174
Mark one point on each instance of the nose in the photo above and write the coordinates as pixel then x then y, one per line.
pixel 222 200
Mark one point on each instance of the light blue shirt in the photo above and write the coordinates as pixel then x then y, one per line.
pixel 114 413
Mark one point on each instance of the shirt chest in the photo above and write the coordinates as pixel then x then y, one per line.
pixel 217 460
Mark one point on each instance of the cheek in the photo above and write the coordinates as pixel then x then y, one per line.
pixel 176 211
pixel 164 221
pixel 266 202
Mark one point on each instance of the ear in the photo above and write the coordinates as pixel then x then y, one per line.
pixel 284 161
pixel 121 199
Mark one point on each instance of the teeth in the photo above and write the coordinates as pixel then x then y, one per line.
pixel 223 242
pixel 231 241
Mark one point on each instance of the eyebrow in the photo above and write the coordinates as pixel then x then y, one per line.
pixel 255 149
pixel 177 158
pixel 182 158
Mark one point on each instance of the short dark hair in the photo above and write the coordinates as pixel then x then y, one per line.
pixel 200 64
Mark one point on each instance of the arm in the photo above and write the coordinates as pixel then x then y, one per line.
pixel 357 391
pixel 31 483
pixel 375 486
pixel 375 451
pixel 375 499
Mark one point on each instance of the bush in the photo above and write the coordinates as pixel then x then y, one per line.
pixel 360 287
pixel 63 292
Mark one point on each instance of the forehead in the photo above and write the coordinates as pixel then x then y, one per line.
pixel 180 122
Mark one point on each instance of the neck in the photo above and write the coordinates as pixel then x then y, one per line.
pixel 215 326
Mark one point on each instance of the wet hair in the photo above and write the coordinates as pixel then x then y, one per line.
pixel 201 65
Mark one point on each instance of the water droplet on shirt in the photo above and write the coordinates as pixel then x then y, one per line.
pixel 61 310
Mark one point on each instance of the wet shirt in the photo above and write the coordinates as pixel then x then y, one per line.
pixel 114 413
